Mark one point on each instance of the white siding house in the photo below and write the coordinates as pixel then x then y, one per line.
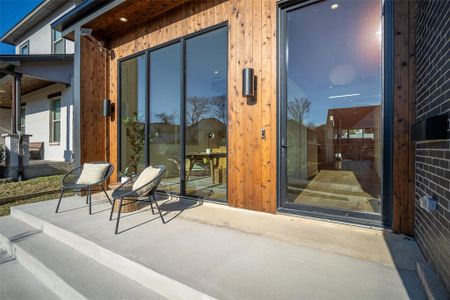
pixel 49 109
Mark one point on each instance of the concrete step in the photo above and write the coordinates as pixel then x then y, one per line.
pixel 65 271
pixel 17 283
pixel 164 285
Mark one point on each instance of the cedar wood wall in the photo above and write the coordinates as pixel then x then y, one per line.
pixel 252 43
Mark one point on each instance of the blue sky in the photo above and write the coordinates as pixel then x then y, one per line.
pixel 11 12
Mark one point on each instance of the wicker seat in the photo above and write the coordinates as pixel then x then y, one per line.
pixel 143 193
pixel 69 182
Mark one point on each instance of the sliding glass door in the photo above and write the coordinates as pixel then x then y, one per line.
pixel 206 115
pixel 173 102
pixel 164 115
pixel 132 111
pixel 331 143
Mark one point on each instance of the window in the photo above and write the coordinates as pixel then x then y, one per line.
pixel 58 46
pixel 55 121
pixel 22 119
pixel 132 114
pixel 173 111
pixel 25 48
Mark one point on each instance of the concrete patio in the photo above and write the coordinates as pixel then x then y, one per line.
pixel 205 250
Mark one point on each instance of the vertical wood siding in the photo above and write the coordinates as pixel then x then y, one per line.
pixel 251 43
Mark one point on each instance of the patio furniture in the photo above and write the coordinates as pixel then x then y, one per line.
pixel 84 178
pixel 139 188
pixel 36 150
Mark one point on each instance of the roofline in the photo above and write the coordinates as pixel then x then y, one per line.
pixel 81 11
pixel 36 57
pixel 22 21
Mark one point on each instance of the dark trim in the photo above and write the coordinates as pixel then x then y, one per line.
pixel 388 100
pixel 365 218
pixel 183 117
pixel 36 57
pixel 54 95
pixel 147 52
pixel 119 117
pixel 147 108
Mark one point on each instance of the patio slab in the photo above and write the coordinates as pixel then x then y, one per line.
pixel 230 253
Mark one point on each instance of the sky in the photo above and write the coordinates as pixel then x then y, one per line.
pixel 11 12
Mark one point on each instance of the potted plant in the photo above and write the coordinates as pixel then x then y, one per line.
pixel 125 175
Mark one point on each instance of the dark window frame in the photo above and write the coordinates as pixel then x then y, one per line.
pixel 385 220
pixel 146 52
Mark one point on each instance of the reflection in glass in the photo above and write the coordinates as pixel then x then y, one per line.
pixel 132 114
pixel 164 131
pixel 206 115
pixel 334 131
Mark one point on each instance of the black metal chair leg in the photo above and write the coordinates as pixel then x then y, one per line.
pixel 159 210
pixel 104 190
pixel 59 201
pixel 112 209
pixel 118 216
pixel 151 206
pixel 90 201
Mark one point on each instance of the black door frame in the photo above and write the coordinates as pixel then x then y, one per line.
pixel 383 220
pixel 146 54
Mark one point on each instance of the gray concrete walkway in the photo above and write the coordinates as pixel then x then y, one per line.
pixel 17 283
pixel 230 253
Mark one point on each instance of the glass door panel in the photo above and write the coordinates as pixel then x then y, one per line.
pixel 132 114
pixel 164 118
pixel 206 115
pixel 333 108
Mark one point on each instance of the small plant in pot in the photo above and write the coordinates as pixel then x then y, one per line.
pixel 125 175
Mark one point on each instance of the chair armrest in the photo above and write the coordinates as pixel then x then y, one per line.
pixel 71 172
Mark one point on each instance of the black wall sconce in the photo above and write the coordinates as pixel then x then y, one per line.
pixel 107 108
pixel 248 83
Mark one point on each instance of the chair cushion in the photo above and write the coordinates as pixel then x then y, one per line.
pixel 92 173
pixel 146 176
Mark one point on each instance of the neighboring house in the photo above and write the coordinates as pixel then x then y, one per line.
pixel 44 63
pixel 325 131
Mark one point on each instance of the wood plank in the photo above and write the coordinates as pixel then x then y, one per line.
pixel 404 99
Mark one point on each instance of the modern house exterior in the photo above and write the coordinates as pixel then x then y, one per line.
pixel 331 109
pixel 43 61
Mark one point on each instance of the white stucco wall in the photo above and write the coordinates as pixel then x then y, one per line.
pixel 37 121
pixel 40 39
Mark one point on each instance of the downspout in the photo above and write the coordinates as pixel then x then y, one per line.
pixel 18 83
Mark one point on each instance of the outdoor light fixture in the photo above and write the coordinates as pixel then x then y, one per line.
pixel 85 31
pixel 334 6
pixel 106 107
pixel 248 82
pixel 122 19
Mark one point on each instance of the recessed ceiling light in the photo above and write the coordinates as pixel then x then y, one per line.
pixel 122 19
pixel 216 72
pixel 334 6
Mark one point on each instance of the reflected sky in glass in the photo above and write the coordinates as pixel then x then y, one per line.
pixel 334 49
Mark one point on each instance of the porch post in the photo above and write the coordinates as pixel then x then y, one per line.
pixel 13 105
pixel 17 102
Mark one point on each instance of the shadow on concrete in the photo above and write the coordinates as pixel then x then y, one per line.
pixel 405 256
pixel 170 207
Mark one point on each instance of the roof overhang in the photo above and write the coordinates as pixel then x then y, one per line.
pixel 41 12
pixel 103 16
pixel 38 71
